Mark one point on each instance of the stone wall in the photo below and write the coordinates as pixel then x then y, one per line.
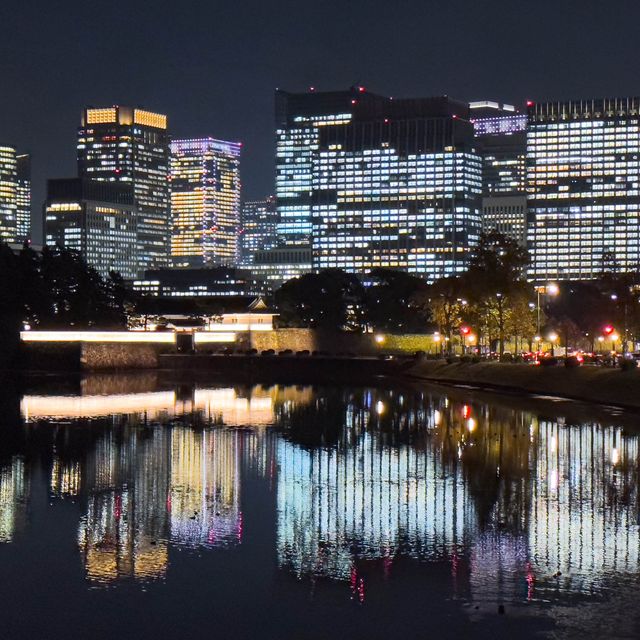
pixel 312 340
pixel 97 356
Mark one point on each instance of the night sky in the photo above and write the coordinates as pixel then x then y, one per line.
pixel 212 66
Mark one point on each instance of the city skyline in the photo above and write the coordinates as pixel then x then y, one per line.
pixel 75 59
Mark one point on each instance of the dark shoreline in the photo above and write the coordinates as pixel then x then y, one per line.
pixel 602 387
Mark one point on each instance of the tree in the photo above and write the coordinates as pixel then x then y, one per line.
pixel 392 302
pixel 331 299
pixel 495 282
pixel 447 304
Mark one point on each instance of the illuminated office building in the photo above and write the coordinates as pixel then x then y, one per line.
pixel 368 181
pixel 259 228
pixel 205 202
pixel 131 146
pixel 23 197
pixel 501 136
pixel 8 194
pixel 583 182
pixel 95 218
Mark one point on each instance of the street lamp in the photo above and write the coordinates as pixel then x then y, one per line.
pixel 465 331
pixel 553 338
pixel 437 341
pixel 549 289
pixel 537 340
pixel 614 338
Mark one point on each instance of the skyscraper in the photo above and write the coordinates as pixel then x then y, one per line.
pixel 583 182
pixel 96 218
pixel 501 136
pixel 205 202
pixel 259 228
pixel 369 181
pixel 23 197
pixel 8 194
pixel 131 146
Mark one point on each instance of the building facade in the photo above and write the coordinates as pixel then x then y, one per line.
pixel 583 183
pixel 8 194
pixel 130 146
pixel 205 202
pixel 367 181
pixel 501 136
pixel 23 197
pixel 97 219
pixel 198 283
pixel 259 230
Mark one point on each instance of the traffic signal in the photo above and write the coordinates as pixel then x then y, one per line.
pixel 608 330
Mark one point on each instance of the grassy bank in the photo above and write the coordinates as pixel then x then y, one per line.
pixel 593 384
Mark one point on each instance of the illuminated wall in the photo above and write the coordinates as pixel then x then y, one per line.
pixel 205 202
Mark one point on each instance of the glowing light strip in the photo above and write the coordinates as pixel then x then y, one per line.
pixel 214 336
pixel 97 336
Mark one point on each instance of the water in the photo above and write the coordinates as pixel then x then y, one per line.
pixel 135 507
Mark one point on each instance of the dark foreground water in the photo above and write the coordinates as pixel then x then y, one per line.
pixel 131 507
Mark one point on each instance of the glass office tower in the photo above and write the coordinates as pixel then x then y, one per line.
pixel 583 182
pixel 131 146
pixel 205 202
pixel 501 136
pixel 259 228
pixel 23 197
pixel 367 181
pixel 95 218
pixel 8 194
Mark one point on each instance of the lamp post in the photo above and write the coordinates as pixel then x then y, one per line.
pixel 549 289
pixel 537 340
pixel 553 337
pixel 614 338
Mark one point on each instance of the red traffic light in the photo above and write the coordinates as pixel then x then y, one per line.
pixel 608 330
pixel 464 330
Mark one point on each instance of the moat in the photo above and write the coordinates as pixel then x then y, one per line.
pixel 135 507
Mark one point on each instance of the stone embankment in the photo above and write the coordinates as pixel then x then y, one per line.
pixel 603 385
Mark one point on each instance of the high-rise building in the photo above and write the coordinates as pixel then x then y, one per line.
pixel 131 146
pixel 23 197
pixel 583 182
pixel 369 181
pixel 259 230
pixel 205 202
pixel 501 136
pixel 96 218
pixel 8 194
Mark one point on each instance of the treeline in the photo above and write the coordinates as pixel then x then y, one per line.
pixel 55 289
pixel 492 298
pixel 492 301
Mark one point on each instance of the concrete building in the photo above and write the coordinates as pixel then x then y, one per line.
pixel 98 219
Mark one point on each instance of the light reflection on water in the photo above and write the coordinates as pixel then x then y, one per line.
pixel 509 504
